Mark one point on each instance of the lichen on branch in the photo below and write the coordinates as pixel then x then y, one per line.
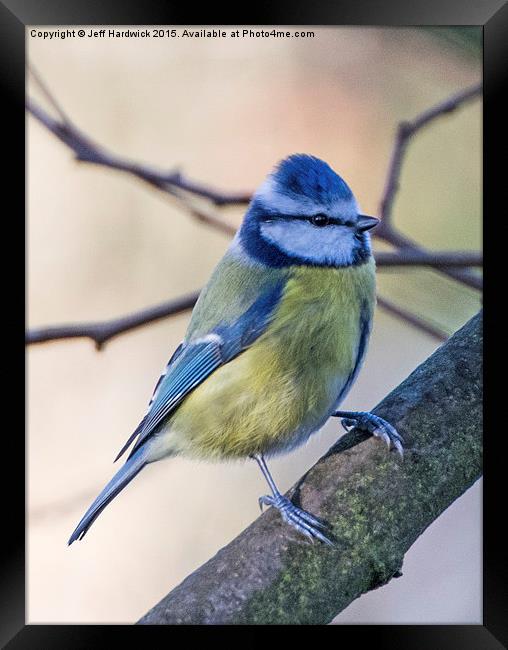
pixel 376 503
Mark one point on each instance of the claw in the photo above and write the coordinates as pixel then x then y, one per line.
pixel 398 446
pixel 376 426
pixel 303 521
pixel 312 520
pixel 265 501
pixel 347 423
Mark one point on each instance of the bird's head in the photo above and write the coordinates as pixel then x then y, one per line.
pixel 305 213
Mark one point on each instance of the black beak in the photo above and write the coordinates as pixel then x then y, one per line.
pixel 366 223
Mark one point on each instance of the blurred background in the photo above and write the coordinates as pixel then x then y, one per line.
pixel 101 245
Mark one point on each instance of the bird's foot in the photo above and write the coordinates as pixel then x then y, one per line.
pixel 303 521
pixel 375 425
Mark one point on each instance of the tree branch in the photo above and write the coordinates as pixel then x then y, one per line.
pixel 405 244
pixel 420 257
pixel 103 331
pixel 412 319
pixel 88 151
pixel 405 131
pixel 198 200
pixel 378 506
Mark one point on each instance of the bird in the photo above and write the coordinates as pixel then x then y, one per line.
pixel 274 343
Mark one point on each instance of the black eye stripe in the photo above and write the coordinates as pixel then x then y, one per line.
pixel 327 221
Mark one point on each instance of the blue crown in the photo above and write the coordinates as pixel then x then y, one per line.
pixel 303 174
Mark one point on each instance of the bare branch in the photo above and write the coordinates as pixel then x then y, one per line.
pixel 88 151
pixel 45 91
pixel 101 332
pixel 172 183
pixel 412 319
pixel 405 244
pixel 420 257
pixel 405 132
pixel 448 106
pixel 204 212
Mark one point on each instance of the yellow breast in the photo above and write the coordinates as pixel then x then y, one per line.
pixel 273 395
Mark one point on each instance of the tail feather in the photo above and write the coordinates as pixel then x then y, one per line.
pixel 124 475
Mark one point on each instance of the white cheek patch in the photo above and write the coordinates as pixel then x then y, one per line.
pixel 327 245
pixel 270 196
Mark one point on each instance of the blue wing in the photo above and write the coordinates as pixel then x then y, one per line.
pixel 196 360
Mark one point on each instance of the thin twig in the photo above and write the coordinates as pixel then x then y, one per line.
pixel 203 211
pixel 88 151
pixel 103 331
pixel 405 132
pixel 406 245
pixel 46 92
pixel 412 319
pixel 420 257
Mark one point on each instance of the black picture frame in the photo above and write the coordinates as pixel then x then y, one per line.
pixel 15 15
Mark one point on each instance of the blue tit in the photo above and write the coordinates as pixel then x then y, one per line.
pixel 275 340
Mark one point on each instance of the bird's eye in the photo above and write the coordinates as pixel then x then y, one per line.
pixel 320 220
